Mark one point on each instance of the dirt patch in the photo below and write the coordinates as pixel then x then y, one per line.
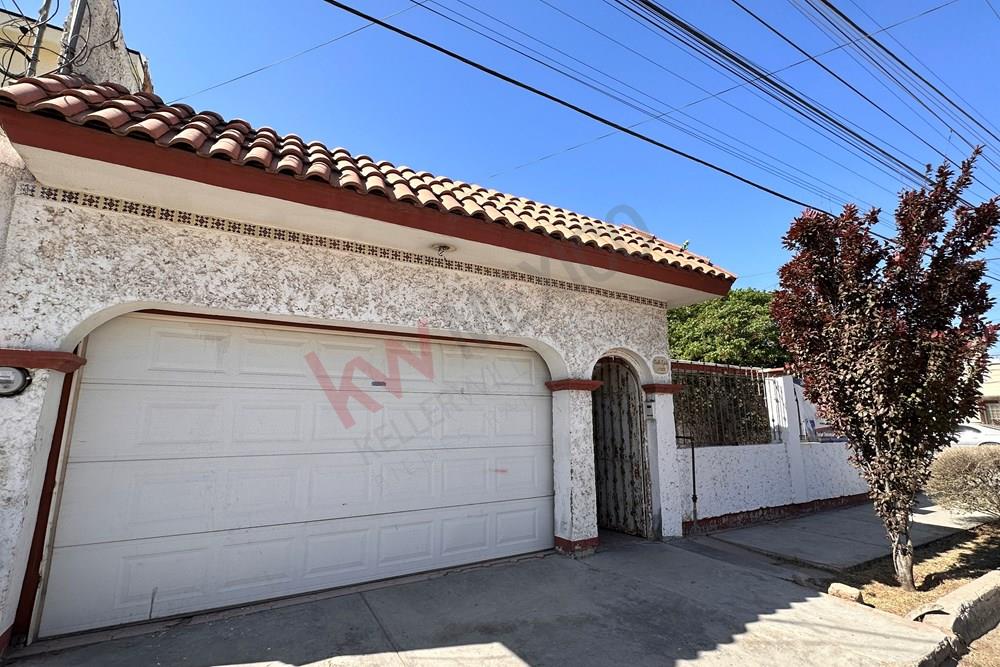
pixel 939 568
pixel 984 652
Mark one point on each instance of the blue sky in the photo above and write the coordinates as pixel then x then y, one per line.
pixel 379 94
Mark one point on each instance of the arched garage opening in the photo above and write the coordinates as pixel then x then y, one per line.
pixel 621 457
pixel 215 462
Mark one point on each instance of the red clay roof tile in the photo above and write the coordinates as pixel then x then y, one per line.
pixel 146 115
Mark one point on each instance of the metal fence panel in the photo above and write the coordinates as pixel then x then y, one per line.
pixel 722 408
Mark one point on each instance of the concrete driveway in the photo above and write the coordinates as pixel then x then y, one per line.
pixel 637 603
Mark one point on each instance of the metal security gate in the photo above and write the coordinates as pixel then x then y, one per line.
pixel 621 461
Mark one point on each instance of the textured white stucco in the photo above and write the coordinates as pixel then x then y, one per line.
pixel 12 170
pixel 749 477
pixel 107 59
pixel 829 473
pixel 573 466
pixel 68 268
pixel 67 264
pixel 736 479
pixel 22 442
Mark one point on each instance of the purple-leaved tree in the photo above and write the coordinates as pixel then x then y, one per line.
pixel 891 337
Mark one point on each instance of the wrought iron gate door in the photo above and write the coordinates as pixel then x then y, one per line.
pixel 621 460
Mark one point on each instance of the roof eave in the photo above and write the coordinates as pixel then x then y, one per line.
pixel 60 136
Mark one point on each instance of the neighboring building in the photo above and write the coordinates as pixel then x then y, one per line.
pixel 990 403
pixel 17 40
pixel 304 368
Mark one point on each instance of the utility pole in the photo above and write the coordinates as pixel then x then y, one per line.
pixel 36 47
pixel 77 9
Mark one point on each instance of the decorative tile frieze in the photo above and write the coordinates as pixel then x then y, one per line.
pixel 159 213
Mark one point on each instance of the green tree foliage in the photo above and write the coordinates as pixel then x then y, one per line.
pixel 735 330
pixel 891 337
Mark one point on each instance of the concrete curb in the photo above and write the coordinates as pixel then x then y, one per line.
pixel 968 612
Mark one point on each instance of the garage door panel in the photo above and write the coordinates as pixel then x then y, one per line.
pixel 148 423
pixel 107 501
pixel 208 466
pixel 492 370
pixel 169 351
pixel 169 422
pixel 183 350
pixel 103 584
pixel 273 356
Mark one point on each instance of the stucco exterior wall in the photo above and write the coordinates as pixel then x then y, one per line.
pixel 68 268
pixel 67 264
pixel 750 477
pixel 12 171
pixel 108 59
pixel 736 479
pixel 828 472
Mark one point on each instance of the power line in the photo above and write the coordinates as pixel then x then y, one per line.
pixel 720 93
pixel 724 56
pixel 902 63
pixel 564 103
pixel 839 78
pixel 293 56
pixel 654 114
pixel 707 48
pixel 578 109
pixel 993 9
pixel 944 84
pixel 908 88
pixel 718 96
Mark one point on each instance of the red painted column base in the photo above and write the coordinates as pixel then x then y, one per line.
pixel 576 547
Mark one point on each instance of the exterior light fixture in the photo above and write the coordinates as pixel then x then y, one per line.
pixel 13 380
pixel 442 249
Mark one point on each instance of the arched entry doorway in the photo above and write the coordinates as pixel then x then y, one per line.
pixel 621 458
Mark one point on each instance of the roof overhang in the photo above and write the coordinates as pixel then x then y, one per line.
pixel 60 154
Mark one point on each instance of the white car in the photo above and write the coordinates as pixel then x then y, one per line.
pixel 973 435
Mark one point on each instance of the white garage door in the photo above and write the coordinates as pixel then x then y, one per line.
pixel 209 467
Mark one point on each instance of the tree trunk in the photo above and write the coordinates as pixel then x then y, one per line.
pixel 902 557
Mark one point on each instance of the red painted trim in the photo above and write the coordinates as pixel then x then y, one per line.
pixel 5 641
pixel 575 546
pixel 33 571
pixel 740 519
pixel 63 137
pixel 64 362
pixel 714 368
pixel 662 388
pixel 327 327
pixel 573 385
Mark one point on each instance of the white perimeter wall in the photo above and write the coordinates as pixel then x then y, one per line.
pixel 743 478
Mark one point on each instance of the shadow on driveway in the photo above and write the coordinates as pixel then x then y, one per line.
pixel 634 602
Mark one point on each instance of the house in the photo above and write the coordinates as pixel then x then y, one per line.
pixel 18 35
pixel 261 366
pixel 989 406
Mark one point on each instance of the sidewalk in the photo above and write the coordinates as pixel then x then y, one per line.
pixel 840 539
